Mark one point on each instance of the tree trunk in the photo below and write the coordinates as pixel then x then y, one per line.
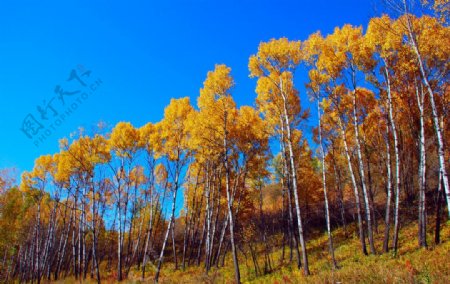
pixel 325 194
pixel 170 226
pixel 208 219
pixel 397 158
pixel 337 176
pixel 422 171
pixel 119 241
pixel 437 232
pixel 150 227
pixel 94 241
pixel 294 186
pixel 355 188
pixel 292 236
pixel 387 218
pixel 174 248
pixel 362 174
pixel 229 201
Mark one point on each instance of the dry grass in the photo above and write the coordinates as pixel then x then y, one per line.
pixel 411 265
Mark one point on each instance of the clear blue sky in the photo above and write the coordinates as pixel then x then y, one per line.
pixel 144 52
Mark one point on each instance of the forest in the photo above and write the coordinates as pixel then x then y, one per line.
pixel 220 193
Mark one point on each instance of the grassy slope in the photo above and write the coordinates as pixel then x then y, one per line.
pixel 412 265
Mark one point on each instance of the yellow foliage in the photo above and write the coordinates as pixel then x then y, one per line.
pixel 125 139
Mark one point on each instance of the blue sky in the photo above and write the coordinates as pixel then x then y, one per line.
pixel 143 53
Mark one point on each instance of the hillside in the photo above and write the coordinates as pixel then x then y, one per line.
pixel 411 265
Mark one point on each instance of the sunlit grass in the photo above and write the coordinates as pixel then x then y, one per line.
pixel 410 265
